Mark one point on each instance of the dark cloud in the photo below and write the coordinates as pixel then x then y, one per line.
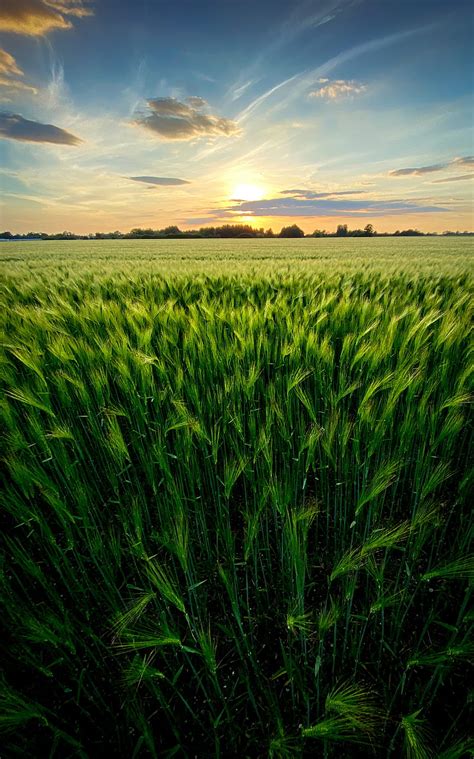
pixel 309 195
pixel 296 206
pixel 170 119
pixel 15 127
pixel 420 170
pixel 165 181
pixel 453 179
pixel 36 18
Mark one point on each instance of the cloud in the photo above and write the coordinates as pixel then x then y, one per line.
pixel 309 195
pixel 10 86
pixel 304 79
pixel 301 19
pixel 164 181
pixel 196 102
pixel 465 161
pixel 171 119
pixel 419 171
pixel 338 89
pixel 454 179
pixel 9 73
pixel 8 64
pixel 296 206
pixel 238 91
pixel 36 18
pixel 15 127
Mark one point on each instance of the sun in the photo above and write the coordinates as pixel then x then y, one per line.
pixel 247 192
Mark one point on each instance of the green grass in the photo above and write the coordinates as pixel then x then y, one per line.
pixel 237 499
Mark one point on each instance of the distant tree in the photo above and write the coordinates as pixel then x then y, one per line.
pixel 369 230
pixel 293 231
pixel 457 234
pixel 143 233
pixel 341 230
pixel 319 233
pixel 59 236
pixel 171 231
pixel 269 233
pixel 410 233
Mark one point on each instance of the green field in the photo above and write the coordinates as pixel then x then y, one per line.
pixel 237 499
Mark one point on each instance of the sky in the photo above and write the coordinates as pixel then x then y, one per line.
pixel 118 114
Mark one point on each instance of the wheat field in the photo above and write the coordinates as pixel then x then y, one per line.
pixel 237 499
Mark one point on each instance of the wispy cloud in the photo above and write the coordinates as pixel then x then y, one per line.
pixel 337 89
pixel 15 127
pixel 35 18
pixel 264 96
pixel 162 181
pixel 239 90
pixel 302 17
pixel 304 79
pixel 454 179
pixel 171 119
pixel 465 161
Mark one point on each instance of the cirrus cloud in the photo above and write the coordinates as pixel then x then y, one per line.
pixel 15 127
pixel 454 179
pixel 171 119
pixel 35 18
pixel 337 89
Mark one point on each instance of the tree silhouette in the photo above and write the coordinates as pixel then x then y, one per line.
pixel 293 231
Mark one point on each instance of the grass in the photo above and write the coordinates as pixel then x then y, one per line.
pixel 236 496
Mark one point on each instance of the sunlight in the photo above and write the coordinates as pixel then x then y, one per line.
pixel 247 192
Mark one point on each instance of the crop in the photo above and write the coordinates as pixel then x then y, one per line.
pixel 236 513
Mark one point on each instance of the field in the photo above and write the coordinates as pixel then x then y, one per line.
pixel 237 499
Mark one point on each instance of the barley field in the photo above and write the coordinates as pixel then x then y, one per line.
pixel 237 497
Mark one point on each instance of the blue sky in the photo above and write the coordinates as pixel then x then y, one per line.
pixel 121 114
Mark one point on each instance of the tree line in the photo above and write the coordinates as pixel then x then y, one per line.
pixel 224 231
